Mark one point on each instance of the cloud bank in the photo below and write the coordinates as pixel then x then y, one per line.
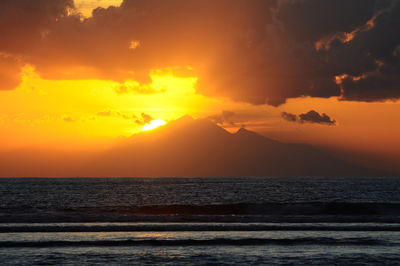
pixel 260 51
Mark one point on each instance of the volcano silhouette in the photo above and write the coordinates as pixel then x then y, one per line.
pixel 187 147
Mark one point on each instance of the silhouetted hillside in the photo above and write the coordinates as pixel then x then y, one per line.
pixel 188 147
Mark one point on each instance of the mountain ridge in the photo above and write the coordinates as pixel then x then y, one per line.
pixel 189 147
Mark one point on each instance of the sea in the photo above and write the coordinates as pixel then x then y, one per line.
pixel 200 221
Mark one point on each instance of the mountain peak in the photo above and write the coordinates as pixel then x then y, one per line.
pixel 181 121
pixel 185 118
pixel 199 147
pixel 242 130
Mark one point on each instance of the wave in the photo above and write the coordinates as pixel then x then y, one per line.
pixel 240 212
pixel 301 208
pixel 195 242
pixel 190 227
pixel 308 208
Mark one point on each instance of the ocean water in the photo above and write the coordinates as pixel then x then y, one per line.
pixel 200 221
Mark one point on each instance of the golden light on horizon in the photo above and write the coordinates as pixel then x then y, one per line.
pixel 153 124
pixel 64 114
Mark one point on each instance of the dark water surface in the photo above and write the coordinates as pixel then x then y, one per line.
pixel 200 221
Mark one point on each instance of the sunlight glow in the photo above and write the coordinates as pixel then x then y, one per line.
pixel 153 124
pixel 85 7
pixel 67 114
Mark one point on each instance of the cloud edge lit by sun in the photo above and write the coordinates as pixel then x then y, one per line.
pixel 153 124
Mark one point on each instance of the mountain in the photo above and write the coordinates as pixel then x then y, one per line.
pixel 189 147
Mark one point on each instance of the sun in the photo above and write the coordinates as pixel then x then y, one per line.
pixel 153 124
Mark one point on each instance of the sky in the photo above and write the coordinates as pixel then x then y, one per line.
pixel 84 74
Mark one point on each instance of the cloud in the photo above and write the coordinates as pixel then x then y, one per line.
pixel 105 113
pixel 145 119
pixel 261 51
pixel 10 68
pixel 135 87
pixel 314 117
pixel 111 113
pixel 225 117
pixel 85 7
pixel 68 119
pixel 309 117
pixel 289 117
pixel 24 23
pixel 373 60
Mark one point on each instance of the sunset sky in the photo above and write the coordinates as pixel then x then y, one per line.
pixel 84 74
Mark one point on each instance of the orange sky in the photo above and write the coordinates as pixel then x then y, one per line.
pixel 83 113
pixel 69 97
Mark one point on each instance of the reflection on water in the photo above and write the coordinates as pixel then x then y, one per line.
pixel 204 247
pixel 156 235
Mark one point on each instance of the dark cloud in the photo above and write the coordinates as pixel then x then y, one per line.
pixel 373 59
pixel 24 23
pixel 309 117
pixel 311 20
pixel 314 117
pixel 259 51
pixel 10 68
pixel 372 87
